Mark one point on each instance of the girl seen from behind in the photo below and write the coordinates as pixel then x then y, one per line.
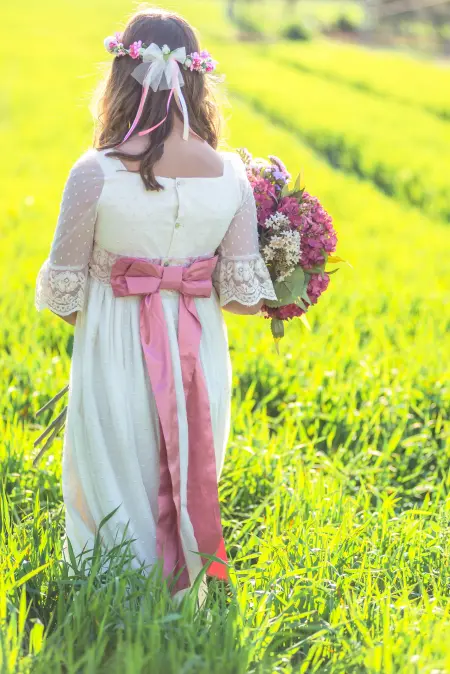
pixel 156 234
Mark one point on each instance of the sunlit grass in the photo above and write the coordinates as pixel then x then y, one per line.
pixel 404 151
pixel 271 18
pixel 415 81
pixel 335 488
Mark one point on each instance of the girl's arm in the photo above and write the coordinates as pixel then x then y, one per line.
pixel 71 318
pixel 243 310
pixel 62 279
pixel 241 278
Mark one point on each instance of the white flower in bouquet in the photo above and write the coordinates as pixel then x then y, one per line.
pixel 282 253
pixel 278 222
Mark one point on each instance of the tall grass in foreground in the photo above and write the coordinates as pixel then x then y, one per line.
pixel 323 573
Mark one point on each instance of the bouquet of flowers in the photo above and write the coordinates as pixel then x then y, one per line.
pixel 296 240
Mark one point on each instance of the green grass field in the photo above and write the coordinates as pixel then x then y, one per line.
pixel 335 492
pixel 272 18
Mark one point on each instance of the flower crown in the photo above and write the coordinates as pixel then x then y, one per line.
pixel 200 62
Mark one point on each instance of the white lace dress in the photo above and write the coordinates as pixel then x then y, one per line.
pixel 111 455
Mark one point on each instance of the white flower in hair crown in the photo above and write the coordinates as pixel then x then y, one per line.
pixel 197 61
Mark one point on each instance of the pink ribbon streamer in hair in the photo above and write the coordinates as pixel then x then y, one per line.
pixel 143 133
pixel 139 114
pixel 160 71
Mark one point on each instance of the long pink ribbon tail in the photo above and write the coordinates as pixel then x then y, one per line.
pixel 131 276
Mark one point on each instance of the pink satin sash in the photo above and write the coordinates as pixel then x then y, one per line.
pixel 134 276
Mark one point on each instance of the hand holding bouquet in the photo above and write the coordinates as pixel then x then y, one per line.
pixel 296 240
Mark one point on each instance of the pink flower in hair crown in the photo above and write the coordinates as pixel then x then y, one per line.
pixel 198 62
pixel 135 49
pixel 110 43
pixel 113 44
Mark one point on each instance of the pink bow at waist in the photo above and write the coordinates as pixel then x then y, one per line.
pixel 133 276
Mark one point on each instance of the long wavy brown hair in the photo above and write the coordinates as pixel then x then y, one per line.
pixel 120 93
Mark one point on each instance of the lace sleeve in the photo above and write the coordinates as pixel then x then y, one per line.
pixel 61 281
pixel 241 274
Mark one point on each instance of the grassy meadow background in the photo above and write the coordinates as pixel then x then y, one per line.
pixel 335 492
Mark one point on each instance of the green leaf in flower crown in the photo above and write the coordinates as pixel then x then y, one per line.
pixel 332 271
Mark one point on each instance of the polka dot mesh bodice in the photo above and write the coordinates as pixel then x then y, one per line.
pixel 106 212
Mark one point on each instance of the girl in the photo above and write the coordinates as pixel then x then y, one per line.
pixel 156 233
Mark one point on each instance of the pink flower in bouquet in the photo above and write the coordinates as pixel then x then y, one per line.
pixel 317 232
pixel 310 257
pixel 264 193
pixel 316 286
pixel 290 207
pixel 284 313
